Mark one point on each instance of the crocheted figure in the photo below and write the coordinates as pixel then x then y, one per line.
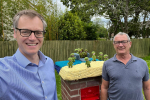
pixel 87 62
pixel 70 63
pixel 72 56
pixel 80 53
pixel 77 50
pixel 100 57
pixel 85 52
pixel 93 56
pixel 105 57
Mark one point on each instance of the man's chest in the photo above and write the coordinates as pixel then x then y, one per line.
pixel 120 71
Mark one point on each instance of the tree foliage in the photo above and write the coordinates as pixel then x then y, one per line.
pixel 8 9
pixel 70 27
pixel 91 31
pixel 51 15
pixel 101 31
pixel 84 8
pixel 127 16
pixel 1 21
pixel 124 15
pixel 45 7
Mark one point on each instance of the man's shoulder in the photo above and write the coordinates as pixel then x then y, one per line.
pixel 48 59
pixel 140 60
pixel 6 63
pixel 44 56
pixel 1 59
pixel 109 60
pixel 6 58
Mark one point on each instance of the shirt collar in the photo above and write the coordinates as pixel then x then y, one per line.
pixel 23 61
pixel 133 58
pixel 43 58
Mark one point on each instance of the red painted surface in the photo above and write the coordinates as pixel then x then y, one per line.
pixel 90 93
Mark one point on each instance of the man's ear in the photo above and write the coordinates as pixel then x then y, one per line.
pixel 130 43
pixel 15 33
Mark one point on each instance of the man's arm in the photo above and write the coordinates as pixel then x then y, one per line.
pixel 55 94
pixel 4 78
pixel 146 89
pixel 104 89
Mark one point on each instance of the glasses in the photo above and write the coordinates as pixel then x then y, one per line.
pixel 123 42
pixel 27 33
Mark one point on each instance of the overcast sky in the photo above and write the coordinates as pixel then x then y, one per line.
pixel 60 5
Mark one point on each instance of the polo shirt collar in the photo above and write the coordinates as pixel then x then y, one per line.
pixel 23 61
pixel 133 58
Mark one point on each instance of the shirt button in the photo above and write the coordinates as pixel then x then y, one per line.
pixel 42 81
pixel 45 97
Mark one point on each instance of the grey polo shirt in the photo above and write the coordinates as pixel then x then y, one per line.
pixel 125 81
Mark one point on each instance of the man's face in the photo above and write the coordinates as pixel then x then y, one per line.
pixel 124 46
pixel 29 46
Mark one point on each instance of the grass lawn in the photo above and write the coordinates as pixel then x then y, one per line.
pixel 58 80
pixel 147 59
pixel 58 83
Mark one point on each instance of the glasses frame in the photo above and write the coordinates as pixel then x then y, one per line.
pixel 31 32
pixel 122 42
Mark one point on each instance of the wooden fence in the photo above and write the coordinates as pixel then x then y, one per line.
pixel 60 50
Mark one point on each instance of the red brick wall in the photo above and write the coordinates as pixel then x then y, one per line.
pixel 70 90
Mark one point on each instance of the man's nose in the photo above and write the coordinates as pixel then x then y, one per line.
pixel 120 44
pixel 32 36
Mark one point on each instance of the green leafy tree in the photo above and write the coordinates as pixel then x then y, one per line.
pixel 8 9
pixel 51 15
pixel 1 20
pixel 101 31
pixel 91 31
pixel 52 24
pixel 45 7
pixel 118 11
pixel 83 8
pixel 70 27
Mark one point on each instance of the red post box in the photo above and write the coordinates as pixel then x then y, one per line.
pixel 90 93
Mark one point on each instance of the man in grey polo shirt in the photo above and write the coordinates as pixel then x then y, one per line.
pixel 124 75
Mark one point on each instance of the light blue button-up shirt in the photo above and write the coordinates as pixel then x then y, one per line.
pixel 22 80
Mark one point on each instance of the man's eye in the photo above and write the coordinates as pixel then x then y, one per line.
pixel 25 31
pixel 124 41
pixel 117 42
pixel 38 32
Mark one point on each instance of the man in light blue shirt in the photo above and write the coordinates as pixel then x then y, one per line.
pixel 28 74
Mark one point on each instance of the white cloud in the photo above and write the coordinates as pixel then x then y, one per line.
pixel 60 5
pixel 103 19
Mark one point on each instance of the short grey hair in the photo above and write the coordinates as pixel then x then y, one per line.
pixel 29 13
pixel 122 33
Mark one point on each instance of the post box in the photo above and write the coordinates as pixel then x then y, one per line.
pixel 90 93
